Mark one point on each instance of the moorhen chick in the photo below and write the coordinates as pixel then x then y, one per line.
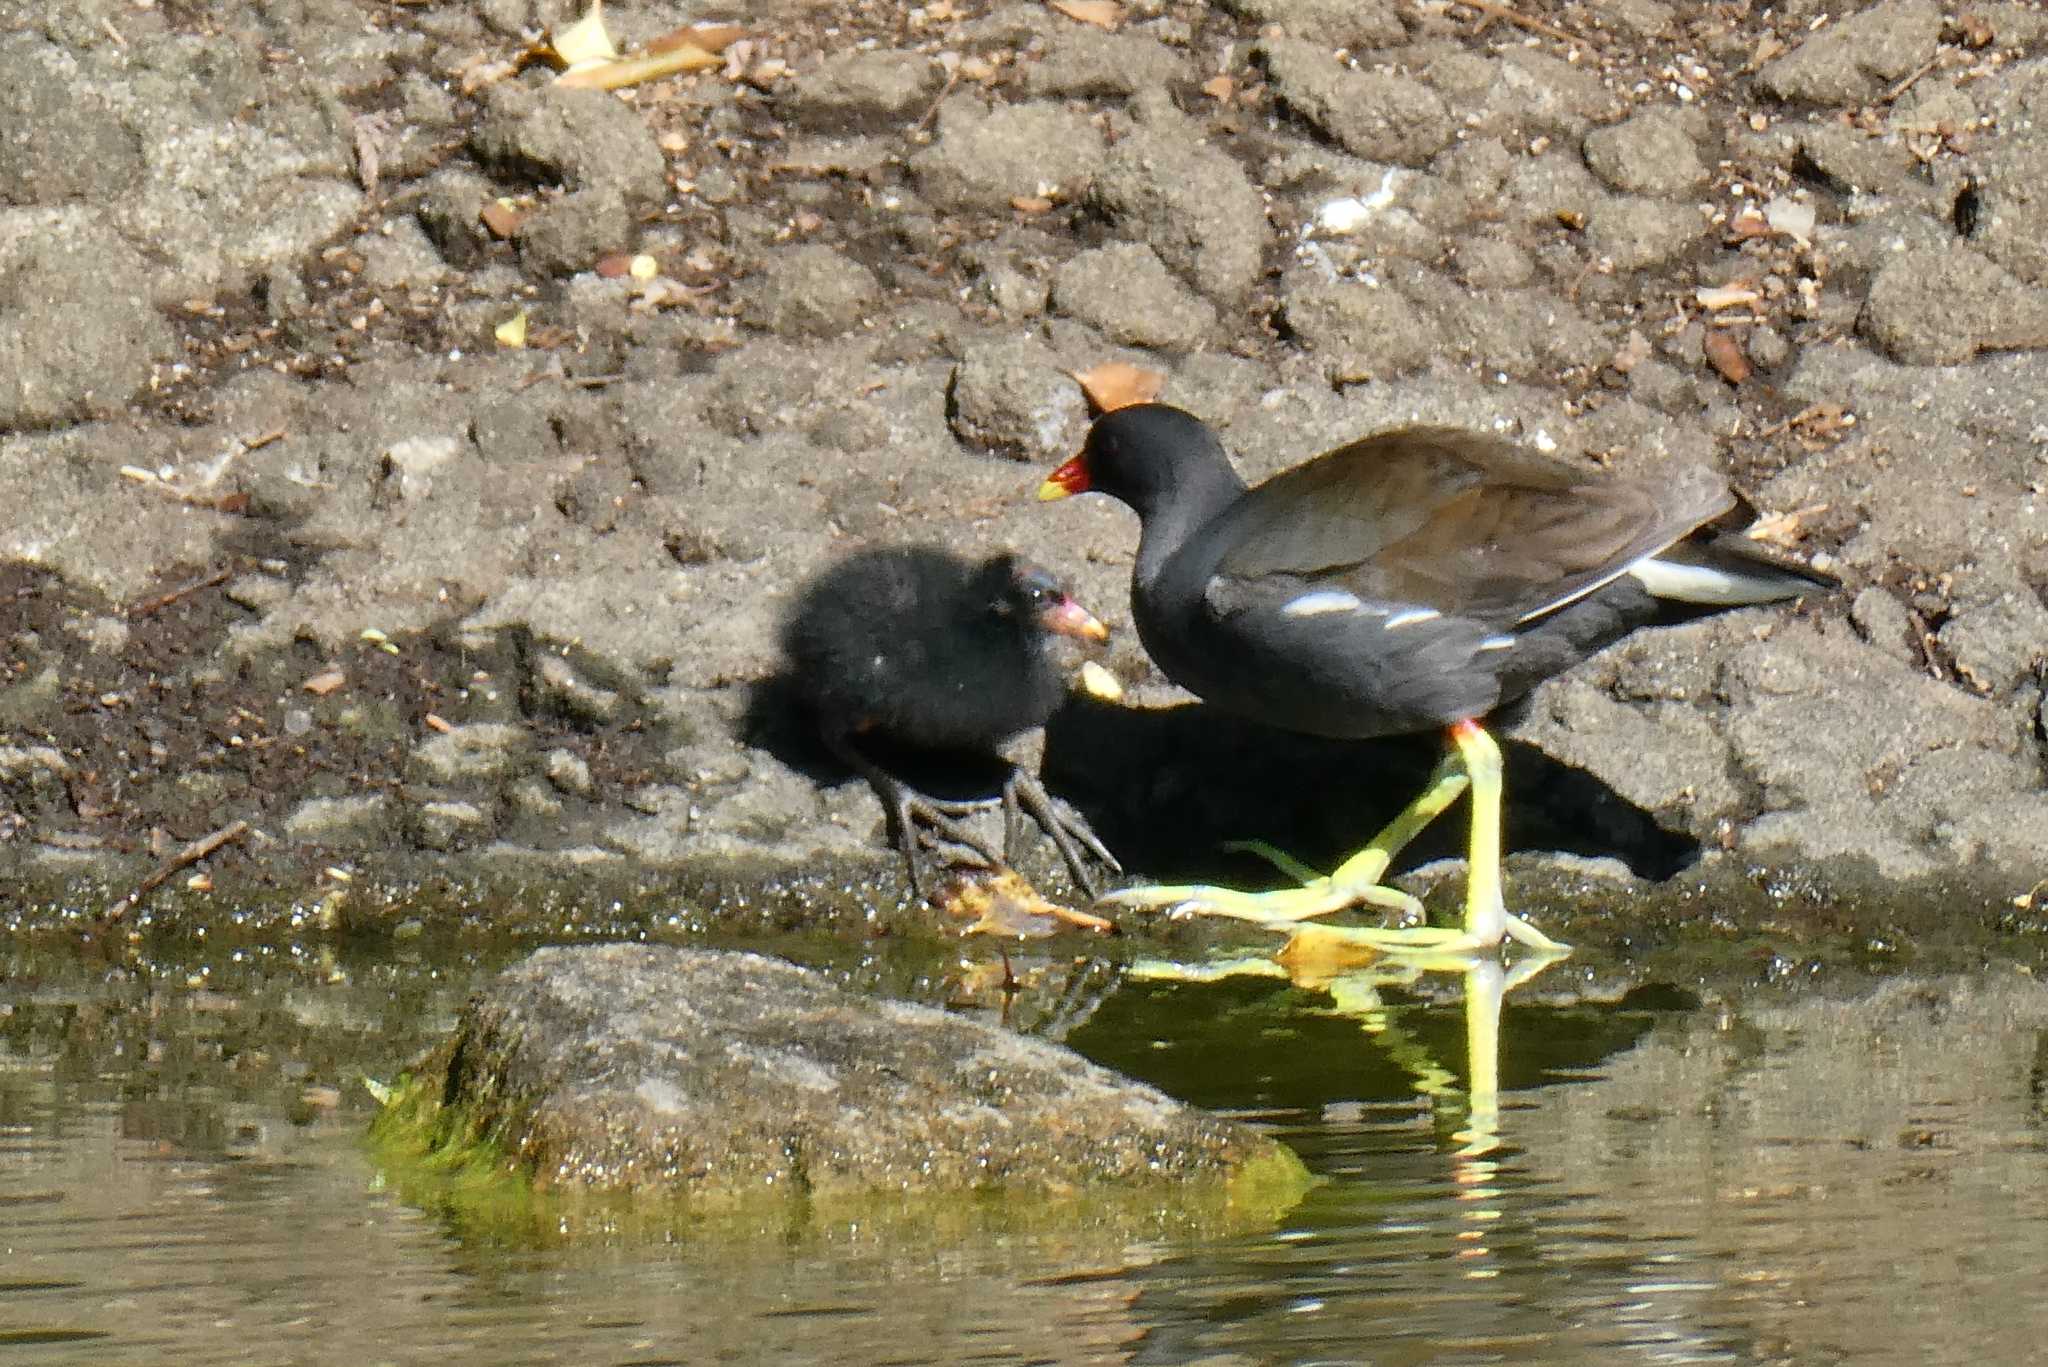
pixel 1404 582
pixel 919 645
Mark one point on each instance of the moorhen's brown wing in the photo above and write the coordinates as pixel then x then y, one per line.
pixel 1454 521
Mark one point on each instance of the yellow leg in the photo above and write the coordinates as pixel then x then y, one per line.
pixel 1474 763
pixel 1356 882
pixel 1487 919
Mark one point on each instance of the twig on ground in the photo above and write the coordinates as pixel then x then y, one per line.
pixel 183 859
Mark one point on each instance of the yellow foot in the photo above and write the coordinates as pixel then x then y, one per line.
pixel 1323 896
pixel 1521 932
pixel 1283 907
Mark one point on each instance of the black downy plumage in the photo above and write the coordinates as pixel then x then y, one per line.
pixel 941 653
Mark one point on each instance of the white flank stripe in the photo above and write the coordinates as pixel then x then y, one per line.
pixel 1321 603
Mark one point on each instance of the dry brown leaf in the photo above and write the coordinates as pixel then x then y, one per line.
pixel 1030 204
pixel 1001 902
pixel 1119 384
pixel 704 37
pixel 1104 14
pixel 613 265
pixel 437 723
pixel 1724 353
pixel 1219 88
pixel 1749 223
pixel 501 217
pixel 325 682
pixel 1315 955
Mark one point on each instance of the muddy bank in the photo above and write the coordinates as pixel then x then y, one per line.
pixel 295 541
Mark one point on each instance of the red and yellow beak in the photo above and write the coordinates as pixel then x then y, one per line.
pixel 1069 618
pixel 1071 478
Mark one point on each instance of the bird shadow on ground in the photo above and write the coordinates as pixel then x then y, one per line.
pixel 778 721
pixel 1165 788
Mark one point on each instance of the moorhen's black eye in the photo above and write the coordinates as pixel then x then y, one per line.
pixel 1407 581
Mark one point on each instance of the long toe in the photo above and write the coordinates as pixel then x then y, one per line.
pixel 920 825
pixel 1521 932
pixel 1284 907
pixel 1063 824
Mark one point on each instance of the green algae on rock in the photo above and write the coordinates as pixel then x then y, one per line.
pixel 603 1090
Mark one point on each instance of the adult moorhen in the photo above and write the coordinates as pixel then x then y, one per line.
pixel 1403 582
pixel 917 644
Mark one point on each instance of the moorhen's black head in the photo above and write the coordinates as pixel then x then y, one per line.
pixel 1017 593
pixel 1148 456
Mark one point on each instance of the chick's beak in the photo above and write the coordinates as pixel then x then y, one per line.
pixel 1071 478
pixel 1069 618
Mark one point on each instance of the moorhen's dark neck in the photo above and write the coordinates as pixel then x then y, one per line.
pixel 1168 466
pixel 1184 491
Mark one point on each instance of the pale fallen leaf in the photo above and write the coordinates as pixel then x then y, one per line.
pixel 1030 204
pixel 325 682
pixel 1792 218
pixel 512 332
pixel 1098 682
pixel 586 41
pixel 1219 88
pixel 1119 384
pixel 437 723
pixel 1716 297
pixel 1104 14
pixel 638 69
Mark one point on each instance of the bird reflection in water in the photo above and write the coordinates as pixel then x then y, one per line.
pixel 1354 974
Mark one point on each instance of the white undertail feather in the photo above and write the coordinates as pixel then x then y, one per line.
pixel 1716 585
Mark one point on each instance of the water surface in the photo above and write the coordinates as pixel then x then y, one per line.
pixel 1771 1176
